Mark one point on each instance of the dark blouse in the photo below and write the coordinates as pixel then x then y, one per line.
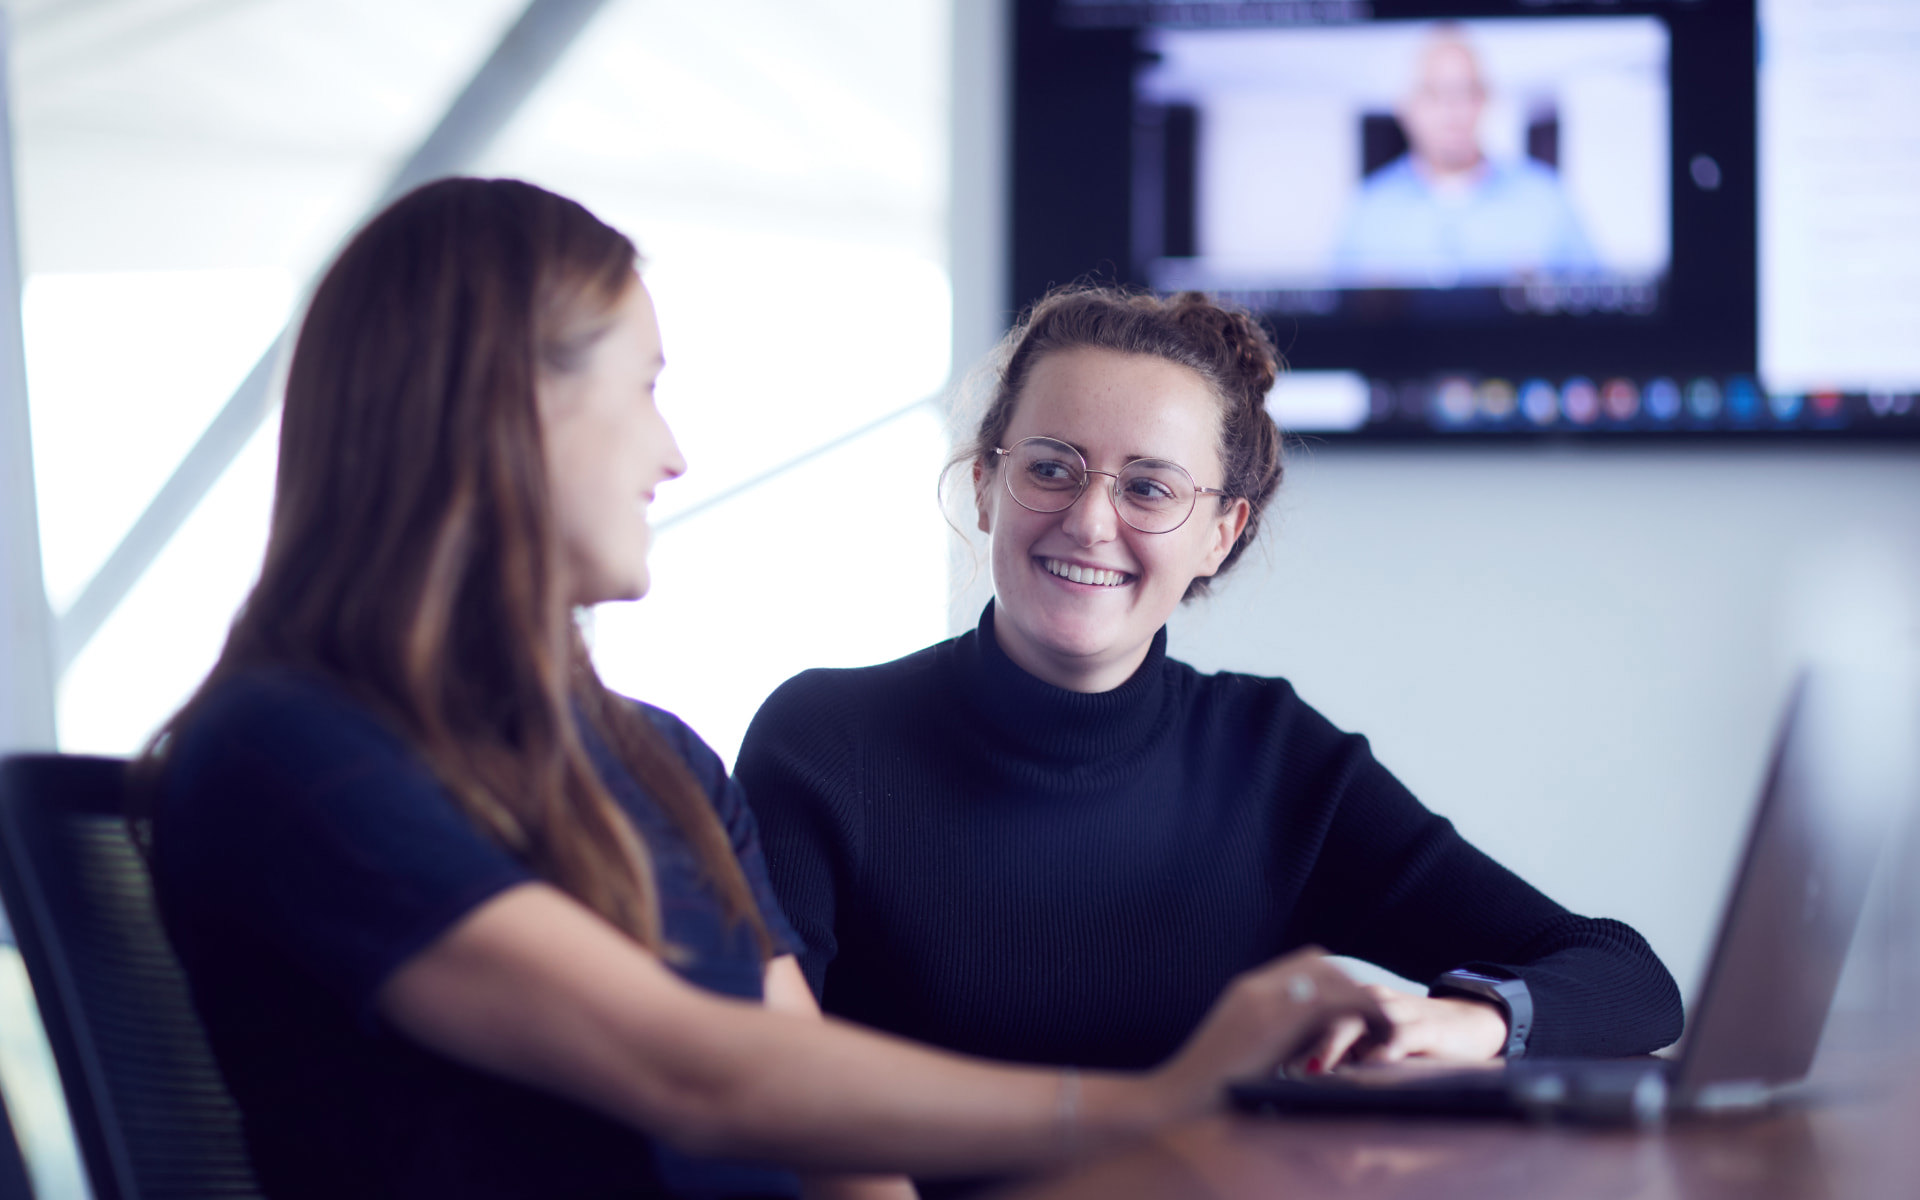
pixel 976 858
pixel 302 854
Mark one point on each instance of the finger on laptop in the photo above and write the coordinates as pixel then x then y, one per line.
pixel 1443 1027
pixel 1346 1041
pixel 1348 1038
pixel 1265 1017
pixel 1326 1051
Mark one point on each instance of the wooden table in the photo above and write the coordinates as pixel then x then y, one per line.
pixel 1854 1133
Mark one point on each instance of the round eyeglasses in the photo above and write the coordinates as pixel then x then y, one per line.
pixel 1151 494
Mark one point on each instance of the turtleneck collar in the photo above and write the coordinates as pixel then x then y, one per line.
pixel 1024 712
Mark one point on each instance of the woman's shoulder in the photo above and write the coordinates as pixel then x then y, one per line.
pixel 1244 701
pixel 669 725
pixel 815 722
pixel 298 720
pixel 834 692
pixel 284 764
pixel 284 733
pixel 1233 687
pixel 1262 727
pixel 703 760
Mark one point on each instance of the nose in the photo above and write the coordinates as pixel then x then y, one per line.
pixel 1092 519
pixel 673 464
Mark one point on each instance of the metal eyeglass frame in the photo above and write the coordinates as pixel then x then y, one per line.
pixel 1086 476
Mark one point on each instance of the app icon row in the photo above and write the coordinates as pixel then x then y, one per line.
pixel 1468 402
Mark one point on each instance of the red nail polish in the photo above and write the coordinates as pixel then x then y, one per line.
pixel 1313 1066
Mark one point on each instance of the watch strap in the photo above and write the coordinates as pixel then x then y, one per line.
pixel 1509 993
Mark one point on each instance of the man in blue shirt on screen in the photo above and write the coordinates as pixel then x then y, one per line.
pixel 1445 214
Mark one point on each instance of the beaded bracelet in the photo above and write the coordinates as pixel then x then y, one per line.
pixel 1067 1113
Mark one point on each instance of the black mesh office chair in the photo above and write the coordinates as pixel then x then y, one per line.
pixel 149 1109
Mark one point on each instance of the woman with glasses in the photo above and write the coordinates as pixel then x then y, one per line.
pixel 458 920
pixel 1045 840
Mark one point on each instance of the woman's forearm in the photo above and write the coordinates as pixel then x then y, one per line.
pixel 857 1187
pixel 761 1084
pixel 532 987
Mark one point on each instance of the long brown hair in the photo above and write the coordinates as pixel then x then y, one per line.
pixel 1225 345
pixel 412 553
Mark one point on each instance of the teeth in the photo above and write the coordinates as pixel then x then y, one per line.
pixel 1092 575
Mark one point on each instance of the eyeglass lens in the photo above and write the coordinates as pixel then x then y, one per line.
pixel 1150 494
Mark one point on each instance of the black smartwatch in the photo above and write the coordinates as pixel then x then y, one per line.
pixel 1508 993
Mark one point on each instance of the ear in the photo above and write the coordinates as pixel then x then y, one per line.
pixel 1224 530
pixel 982 496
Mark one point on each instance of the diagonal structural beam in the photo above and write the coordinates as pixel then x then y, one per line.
pixel 523 58
pixel 799 460
pixel 26 663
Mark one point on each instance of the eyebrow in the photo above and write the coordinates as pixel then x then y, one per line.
pixel 1132 456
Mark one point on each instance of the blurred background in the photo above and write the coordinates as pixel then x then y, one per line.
pixel 187 166
pixel 1576 651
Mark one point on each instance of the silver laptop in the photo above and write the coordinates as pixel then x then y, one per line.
pixel 1842 778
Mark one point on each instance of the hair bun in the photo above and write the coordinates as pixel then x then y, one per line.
pixel 1241 343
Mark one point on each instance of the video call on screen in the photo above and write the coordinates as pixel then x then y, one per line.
pixel 1529 218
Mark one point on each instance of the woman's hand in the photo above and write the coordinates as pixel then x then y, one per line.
pixel 1267 1017
pixel 1442 1027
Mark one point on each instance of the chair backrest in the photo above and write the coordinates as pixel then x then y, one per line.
pixel 13 1167
pixel 150 1111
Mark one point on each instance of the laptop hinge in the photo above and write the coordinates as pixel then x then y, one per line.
pixel 1731 1094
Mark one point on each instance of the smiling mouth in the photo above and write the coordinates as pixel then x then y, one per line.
pixel 1092 576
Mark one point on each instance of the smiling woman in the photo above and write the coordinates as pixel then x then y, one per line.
pixel 607 449
pixel 1046 840
pixel 1083 586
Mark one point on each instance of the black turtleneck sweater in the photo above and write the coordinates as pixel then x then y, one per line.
pixel 981 860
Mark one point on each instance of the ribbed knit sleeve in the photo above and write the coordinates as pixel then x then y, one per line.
pixel 1396 885
pixel 797 768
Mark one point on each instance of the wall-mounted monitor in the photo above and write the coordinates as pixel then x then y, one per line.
pixel 1518 218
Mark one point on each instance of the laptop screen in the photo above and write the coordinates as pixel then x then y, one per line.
pixel 1841 777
